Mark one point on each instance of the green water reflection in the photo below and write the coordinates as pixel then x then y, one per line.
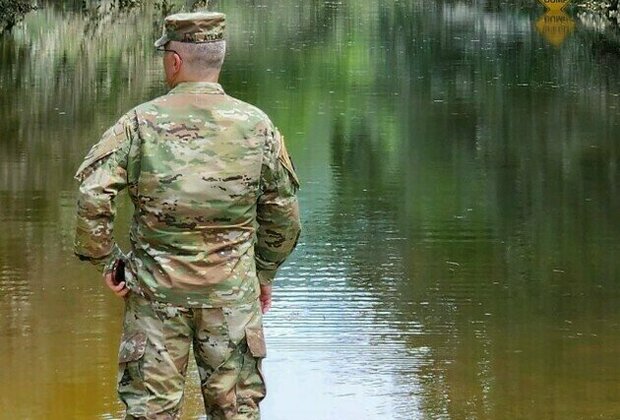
pixel 460 205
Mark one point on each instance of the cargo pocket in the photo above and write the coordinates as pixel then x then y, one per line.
pixel 256 345
pixel 256 341
pixel 130 357
pixel 251 389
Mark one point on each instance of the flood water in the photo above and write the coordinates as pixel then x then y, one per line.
pixel 461 197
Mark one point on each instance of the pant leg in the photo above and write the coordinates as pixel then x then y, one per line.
pixel 153 358
pixel 229 347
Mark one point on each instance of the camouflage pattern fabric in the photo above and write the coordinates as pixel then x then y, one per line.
pixel 214 193
pixel 228 346
pixel 193 27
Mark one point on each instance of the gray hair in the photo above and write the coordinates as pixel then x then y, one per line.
pixel 201 57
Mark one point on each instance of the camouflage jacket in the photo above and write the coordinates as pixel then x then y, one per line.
pixel 213 189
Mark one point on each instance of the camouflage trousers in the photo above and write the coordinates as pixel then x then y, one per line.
pixel 228 346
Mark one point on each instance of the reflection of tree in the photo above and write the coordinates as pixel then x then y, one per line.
pixel 521 142
pixel 199 4
pixel 12 11
pixel 608 8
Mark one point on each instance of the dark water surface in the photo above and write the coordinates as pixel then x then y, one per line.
pixel 461 173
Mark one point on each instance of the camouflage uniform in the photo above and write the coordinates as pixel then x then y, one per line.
pixel 215 215
pixel 228 346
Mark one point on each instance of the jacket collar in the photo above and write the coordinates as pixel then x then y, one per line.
pixel 198 87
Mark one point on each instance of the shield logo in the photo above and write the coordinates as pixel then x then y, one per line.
pixel 554 5
pixel 555 26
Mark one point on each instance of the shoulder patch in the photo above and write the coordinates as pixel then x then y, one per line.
pixel 285 160
pixel 110 142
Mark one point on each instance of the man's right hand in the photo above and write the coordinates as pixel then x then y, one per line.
pixel 120 289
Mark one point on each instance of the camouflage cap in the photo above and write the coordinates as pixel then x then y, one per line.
pixel 193 27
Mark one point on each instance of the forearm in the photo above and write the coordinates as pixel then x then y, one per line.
pixel 96 210
pixel 94 240
pixel 103 264
pixel 279 229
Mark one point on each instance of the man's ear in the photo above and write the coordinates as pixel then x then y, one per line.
pixel 177 63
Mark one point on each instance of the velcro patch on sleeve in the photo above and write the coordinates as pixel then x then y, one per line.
pixel 285 160
pixel 110 142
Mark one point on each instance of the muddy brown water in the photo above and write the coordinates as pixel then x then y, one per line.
pixel 460 167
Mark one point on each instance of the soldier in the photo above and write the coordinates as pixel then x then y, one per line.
pixel 215 214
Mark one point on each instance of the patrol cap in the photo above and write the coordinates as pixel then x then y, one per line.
pixel 193 27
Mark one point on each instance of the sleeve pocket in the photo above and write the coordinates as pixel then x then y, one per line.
pixel 256 341
pixel 110 142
